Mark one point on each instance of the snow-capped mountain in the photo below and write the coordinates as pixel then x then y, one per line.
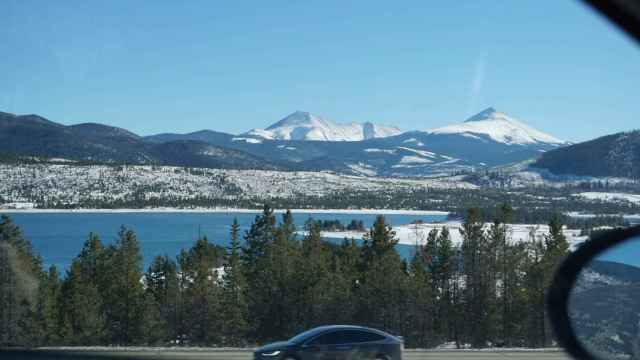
pixel 498 127
pixel 487 139
pixel 305 126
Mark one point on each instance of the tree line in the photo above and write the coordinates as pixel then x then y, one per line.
pixel 270 284
pixel 337 225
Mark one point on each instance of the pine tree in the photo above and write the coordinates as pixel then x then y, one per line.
pixel 20 277
pixel 288 228
pixel 379 240
pixel 125 299
pixel 534 287
pixel 83 319
pixel 235 310
pixel 443 277
pixel 476 293
pixel 556 247
pixel 383 290
pixel 49 307
pixel 313 278
pixel 514 296
pixel 261 233
pixel 498 235
pixel 278 286
pixel 154 329
pixel 345 278
pixel 163 296
pixel 202 293
pixel 421 331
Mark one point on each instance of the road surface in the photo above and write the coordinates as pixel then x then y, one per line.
pixel 178 354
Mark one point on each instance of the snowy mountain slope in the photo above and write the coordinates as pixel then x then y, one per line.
pixel 610 196
pixel 490 138
pixel 487 139
pixel 305 126
pixel 498 127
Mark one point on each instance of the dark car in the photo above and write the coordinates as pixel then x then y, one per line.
pixel 335 342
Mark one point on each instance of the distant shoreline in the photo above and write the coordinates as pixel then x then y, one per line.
pixel 228 210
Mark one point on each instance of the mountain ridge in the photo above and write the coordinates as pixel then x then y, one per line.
pixel 406 154
pixel 33 135
pixel 302 125
pixel 615 155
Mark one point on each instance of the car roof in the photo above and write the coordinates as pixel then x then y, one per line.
pixel 329 328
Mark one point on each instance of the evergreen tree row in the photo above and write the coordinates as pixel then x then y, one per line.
pixel 270 284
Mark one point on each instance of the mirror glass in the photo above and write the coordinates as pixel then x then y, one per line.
pixel 604 305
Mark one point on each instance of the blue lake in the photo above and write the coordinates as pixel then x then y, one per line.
pixel 58 237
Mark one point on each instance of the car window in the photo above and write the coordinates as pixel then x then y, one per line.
pixel 363 336
pixel 323 339
pixel 346 337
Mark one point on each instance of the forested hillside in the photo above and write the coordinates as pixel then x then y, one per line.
pixel 269 285
pixel 32 135
pixel 608 156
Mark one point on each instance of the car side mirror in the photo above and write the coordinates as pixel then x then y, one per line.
pixel 593 302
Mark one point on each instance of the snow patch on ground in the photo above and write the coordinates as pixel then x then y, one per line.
pixel 419 152
pixel 73 184
pixel 373 150
pixel 414 160
pixel 247 140
pixel 412 234
pixel 363 169
pixel 414 141
pixel 235 210
pixel 610 196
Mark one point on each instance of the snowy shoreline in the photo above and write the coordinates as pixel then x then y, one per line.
pixel 232 210
pixel 412 234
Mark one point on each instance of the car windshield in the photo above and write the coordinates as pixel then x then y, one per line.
pixel 306 335
pixel 206 175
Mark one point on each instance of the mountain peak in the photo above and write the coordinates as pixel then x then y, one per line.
pixel 499 127
pixel 302 125
pixel 296 118
pixel 485 114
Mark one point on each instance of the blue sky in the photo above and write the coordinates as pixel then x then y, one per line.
pixel 167 66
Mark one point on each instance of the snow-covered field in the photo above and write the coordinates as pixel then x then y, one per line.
pixel 610 196
pixel 228 210
pixel 412 234
pixel 72 184
pixel 520 175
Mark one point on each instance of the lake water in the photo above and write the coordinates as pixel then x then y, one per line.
pixel 58 237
